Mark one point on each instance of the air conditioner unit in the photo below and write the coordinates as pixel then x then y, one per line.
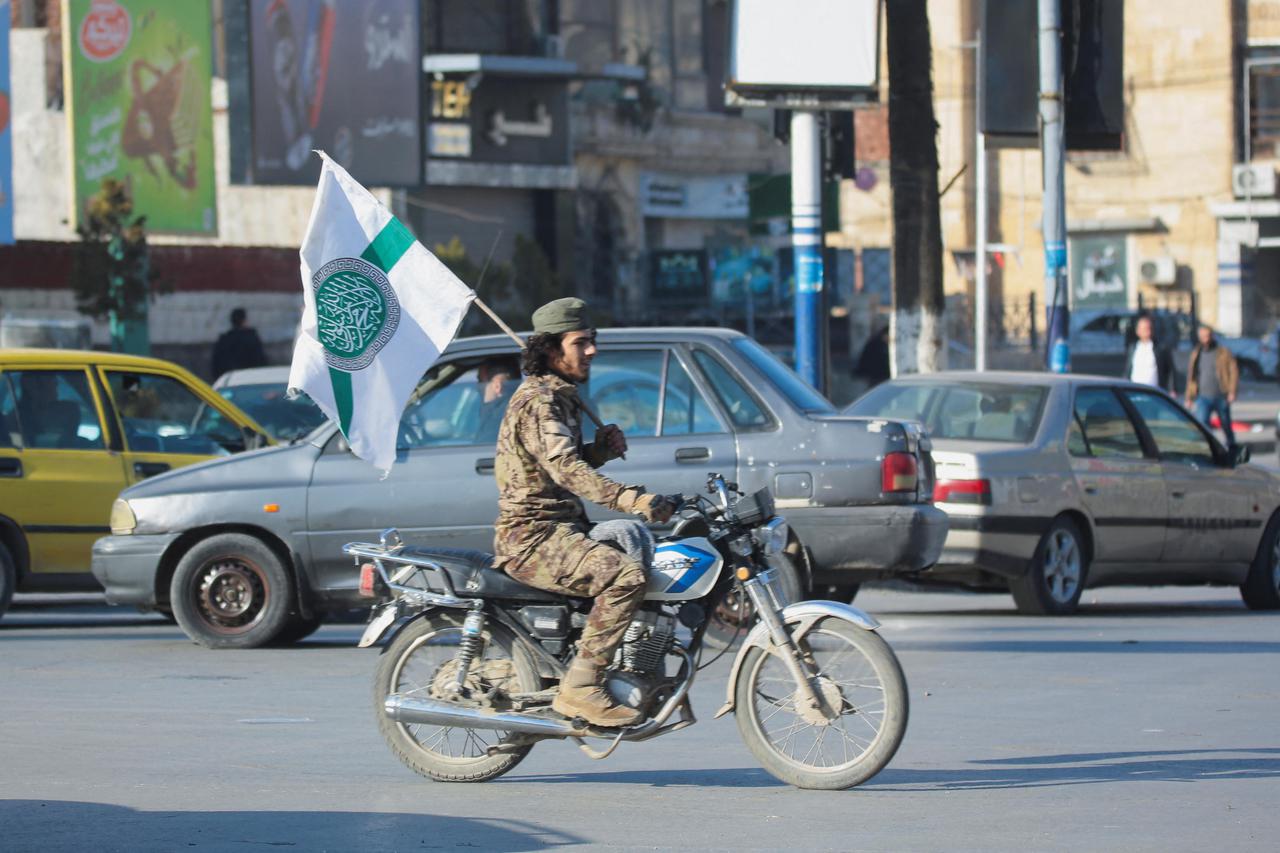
pixel 1162 271
pixel 1253 180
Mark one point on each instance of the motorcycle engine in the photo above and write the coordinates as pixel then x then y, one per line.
pixel 639 662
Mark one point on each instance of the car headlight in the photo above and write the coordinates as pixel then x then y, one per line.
pixel 123 521
pixel 772 537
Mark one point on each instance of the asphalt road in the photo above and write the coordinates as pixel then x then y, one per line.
pixel 1146 722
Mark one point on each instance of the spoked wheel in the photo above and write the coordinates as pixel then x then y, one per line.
pixel 421 662
pixel 231 591
pixel 859 726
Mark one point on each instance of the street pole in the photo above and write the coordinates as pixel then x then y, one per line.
pixel 980 213
pixel 806 241
pixel 1054 214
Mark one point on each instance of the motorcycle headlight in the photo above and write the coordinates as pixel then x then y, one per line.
pixel 772 537
pixel 123 521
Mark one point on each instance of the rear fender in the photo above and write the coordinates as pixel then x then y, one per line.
pixel 803 616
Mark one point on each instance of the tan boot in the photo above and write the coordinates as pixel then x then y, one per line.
pixel 582 696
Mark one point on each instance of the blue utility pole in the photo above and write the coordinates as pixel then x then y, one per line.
pixel 806 242
pixel 1054 214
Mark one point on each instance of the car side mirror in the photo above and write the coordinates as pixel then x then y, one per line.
pixel 1239 455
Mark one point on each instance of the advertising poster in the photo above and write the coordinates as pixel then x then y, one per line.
pixel 339 77
pixel 138 102
pixel 6 137
pixel 1099 272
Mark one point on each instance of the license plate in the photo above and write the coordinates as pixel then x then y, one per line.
pixel 377 626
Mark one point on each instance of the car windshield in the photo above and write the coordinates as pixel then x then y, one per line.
pixel 978 411
pixel 267 404
pixel 792 386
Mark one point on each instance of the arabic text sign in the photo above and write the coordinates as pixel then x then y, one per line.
pixel 694 196
pixel 139 107
pixel 499 121
pixel 341 77
pixel 6 138
pixel 1100 271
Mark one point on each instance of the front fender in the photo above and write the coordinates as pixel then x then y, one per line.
pixel 802 614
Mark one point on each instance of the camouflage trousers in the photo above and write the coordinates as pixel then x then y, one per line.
pixel 593 565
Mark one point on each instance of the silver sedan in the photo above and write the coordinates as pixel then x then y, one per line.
pixel 1055 483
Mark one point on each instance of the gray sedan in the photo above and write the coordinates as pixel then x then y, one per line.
pixel 1057 483
pixel 250 552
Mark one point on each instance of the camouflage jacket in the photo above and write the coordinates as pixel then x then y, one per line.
pixel 543 469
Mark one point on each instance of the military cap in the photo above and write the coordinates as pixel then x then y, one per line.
pixel 561 315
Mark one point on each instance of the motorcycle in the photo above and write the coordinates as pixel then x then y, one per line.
pixel 464 686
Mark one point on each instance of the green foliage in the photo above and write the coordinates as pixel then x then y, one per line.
pixel 514 289
pixel 111 275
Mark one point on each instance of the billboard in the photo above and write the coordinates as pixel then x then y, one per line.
pixel 340 77
pixel 139 75
pixel 6 137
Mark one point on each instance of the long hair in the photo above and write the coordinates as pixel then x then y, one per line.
pixel 538 350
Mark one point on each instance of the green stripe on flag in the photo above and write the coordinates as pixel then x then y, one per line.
pixel 342 398
pixel 390 244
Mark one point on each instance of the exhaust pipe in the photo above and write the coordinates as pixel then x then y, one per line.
pixel 433 712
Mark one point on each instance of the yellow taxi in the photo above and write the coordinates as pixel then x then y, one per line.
pixel 76 427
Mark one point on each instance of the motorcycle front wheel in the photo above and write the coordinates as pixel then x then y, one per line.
pixel 864 694
pixel 422 661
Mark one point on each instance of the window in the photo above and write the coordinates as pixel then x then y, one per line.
pixel 795 389
pixel 1106 428
pixel 624 390
pixel 685 411
pixel 1263 70
pixel 1176 434
pixel 10 432
pixel 461 403
pixel 981 411
pixel 743 409
pixel 161 414
pixel 269 405
pixel 55 410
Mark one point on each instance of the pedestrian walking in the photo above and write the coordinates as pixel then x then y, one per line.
pixel 1213 378
pixel 239 347
pixel 1146 361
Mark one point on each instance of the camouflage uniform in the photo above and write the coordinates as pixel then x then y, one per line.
pixel 542 466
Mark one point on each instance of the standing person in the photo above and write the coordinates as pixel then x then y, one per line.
pixel 542 536
pixel 1213 377
pixel 238 347
pixel 873 361
pixel 1147 362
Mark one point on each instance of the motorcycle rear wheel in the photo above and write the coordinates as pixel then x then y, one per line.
pixel 856 669
pixel 418 661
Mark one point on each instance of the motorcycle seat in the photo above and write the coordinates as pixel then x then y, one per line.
pixel 473 575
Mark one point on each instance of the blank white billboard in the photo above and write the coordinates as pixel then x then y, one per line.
pixel 805 44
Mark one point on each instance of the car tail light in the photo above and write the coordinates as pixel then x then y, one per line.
pixel 898 473
pixel 962 492
pixel 368 574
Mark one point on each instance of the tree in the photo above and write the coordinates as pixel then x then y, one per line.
pixel 918 341
pixel 112 276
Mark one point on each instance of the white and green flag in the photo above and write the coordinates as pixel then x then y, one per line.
pixel 379 309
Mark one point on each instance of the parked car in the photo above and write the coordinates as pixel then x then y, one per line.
pixel 76 427
pixel 261 393
pixel 1055 483
pixel 1100 337
pixel 248 550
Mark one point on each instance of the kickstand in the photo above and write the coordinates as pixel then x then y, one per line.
pixel 597 754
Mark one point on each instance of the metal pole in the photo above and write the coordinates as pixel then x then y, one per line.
pixel 1054 215
pixel 806 241
pixel 980 213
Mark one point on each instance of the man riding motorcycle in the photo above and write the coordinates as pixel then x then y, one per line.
pixel 543 538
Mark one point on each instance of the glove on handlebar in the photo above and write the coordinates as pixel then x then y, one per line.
pixel 655 509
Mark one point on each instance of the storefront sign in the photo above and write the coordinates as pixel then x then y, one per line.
pixel 678 277
pixel 138 84
pixel 674 196
pixel 340 77
pixel 502 120
pixel 1099 272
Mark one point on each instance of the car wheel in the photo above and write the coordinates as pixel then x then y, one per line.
pixel 231 591
pixel 1261 589
pixel 8 578
pixel 1056 576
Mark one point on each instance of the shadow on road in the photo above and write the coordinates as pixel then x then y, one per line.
pixel 63 825
pixel 1126 610
pixel 1094 647
pixel 737 777
pixel 1042 771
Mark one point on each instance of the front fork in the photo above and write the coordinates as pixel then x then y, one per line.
pixel 760 591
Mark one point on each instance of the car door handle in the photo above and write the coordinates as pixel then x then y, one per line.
pixel 149 469
pixel 692 454
pixel 1090 490
pixel 10 467
pixel 1178 494
pixel 485 465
